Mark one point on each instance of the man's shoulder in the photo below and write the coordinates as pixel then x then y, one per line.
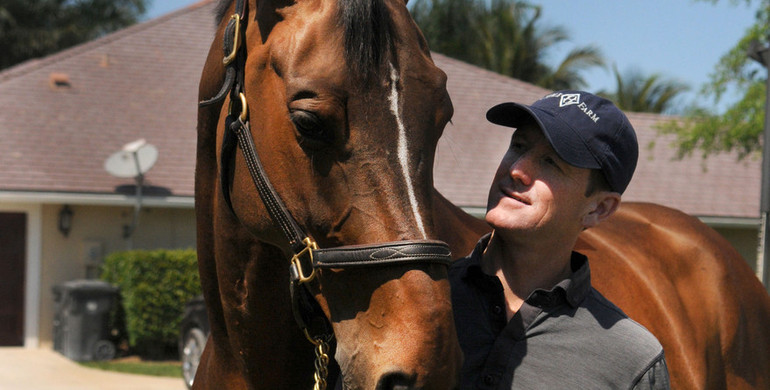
pixel 608 345
pixel 620 326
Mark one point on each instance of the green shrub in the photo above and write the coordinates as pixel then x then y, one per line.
pixel 154 287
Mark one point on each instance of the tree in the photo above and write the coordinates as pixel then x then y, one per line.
pixel 640 93
pixel 502 36
pixel 740 127
pixel 35 28
pixel 450 26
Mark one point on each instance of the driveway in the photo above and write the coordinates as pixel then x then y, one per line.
pixel 33 369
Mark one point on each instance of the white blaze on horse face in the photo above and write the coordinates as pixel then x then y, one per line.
pixel 403 150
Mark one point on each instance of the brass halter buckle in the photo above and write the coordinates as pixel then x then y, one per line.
pixel 236 40
pixel 244 108
pixel 310 246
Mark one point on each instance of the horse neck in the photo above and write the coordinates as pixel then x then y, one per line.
pixel 456 227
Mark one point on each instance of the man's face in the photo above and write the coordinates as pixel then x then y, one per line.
pixel 535 192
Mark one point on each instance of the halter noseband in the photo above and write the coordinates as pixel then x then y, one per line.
pixel 307 256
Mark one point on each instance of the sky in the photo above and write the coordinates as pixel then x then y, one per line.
pixel 679 39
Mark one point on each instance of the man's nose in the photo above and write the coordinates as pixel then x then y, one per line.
pixel 522 169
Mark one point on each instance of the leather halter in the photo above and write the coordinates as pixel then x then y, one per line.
pixel 307 255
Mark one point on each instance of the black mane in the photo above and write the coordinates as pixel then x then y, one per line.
pixel 221 10
pixel 368 30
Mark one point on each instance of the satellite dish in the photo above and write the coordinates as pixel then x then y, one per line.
pixel 135 159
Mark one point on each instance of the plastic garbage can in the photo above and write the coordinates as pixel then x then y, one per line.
pixel 81 326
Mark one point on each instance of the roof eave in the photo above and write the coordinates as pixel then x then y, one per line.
pixel 94 199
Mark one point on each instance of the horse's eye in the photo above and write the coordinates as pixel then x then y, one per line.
pixel 310 126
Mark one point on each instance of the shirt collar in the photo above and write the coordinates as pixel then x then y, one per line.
pixel 575 287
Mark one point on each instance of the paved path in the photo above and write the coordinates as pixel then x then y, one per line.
pixel 43 369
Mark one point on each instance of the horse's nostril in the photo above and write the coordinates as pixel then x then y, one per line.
pixel 396 381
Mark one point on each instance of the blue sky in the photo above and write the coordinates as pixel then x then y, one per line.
pixel 680 39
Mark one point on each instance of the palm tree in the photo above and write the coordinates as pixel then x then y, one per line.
pixel 639 93
pixel 510 44
pixel 567 74
pixel 450 26
pixel 502 36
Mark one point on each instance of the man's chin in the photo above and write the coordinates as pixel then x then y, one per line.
pixel 508 211
pixel 498 218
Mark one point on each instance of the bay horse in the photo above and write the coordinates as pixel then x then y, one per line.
pixel 346 108
pixel 317 128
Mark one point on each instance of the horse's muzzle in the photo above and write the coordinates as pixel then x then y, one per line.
pixel 396 381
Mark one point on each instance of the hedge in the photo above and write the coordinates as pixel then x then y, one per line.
pixel 154 287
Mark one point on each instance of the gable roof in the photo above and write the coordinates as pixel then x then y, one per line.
pixel 65 114
pixel 140 82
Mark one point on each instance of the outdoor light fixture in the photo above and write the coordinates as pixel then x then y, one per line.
pixel 65 220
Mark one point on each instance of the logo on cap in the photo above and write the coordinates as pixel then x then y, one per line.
pixel 569 99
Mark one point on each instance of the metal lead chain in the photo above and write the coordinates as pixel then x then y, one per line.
pixel 321 360
pixel 321 364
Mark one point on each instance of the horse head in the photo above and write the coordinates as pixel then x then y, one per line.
pixel 344 108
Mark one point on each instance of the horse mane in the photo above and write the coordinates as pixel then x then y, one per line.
pixel 221 11
pixel 368 31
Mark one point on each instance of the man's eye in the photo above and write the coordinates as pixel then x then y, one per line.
pixel 552 162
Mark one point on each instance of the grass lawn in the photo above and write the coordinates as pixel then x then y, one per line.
pixel 134 365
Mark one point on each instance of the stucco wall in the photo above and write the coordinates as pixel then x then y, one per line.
pixel 96 232
pixel 745 240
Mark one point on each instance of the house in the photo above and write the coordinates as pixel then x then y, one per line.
pixel 65 115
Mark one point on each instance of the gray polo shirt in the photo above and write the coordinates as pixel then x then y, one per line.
pixel 569 337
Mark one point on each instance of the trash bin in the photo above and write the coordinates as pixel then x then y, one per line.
pixel 81 326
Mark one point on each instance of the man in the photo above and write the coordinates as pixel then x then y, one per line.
pixel 526 314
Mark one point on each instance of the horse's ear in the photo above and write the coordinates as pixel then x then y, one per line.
pixel 267 17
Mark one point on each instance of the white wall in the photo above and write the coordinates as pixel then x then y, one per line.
pixel 96 232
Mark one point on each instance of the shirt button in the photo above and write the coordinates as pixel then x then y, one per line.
pixel 497 309
pixel 490 379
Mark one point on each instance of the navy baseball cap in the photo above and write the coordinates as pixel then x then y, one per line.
pixel 585 130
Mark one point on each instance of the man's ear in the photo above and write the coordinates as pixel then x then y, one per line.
pixel 603 204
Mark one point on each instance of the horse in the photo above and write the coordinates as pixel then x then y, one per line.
pixel 686 284
pixel 346 108
pixel 315 207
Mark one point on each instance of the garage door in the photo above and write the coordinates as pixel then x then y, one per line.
pixel 13 228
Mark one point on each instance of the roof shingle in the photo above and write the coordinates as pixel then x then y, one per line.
pixel 141 82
